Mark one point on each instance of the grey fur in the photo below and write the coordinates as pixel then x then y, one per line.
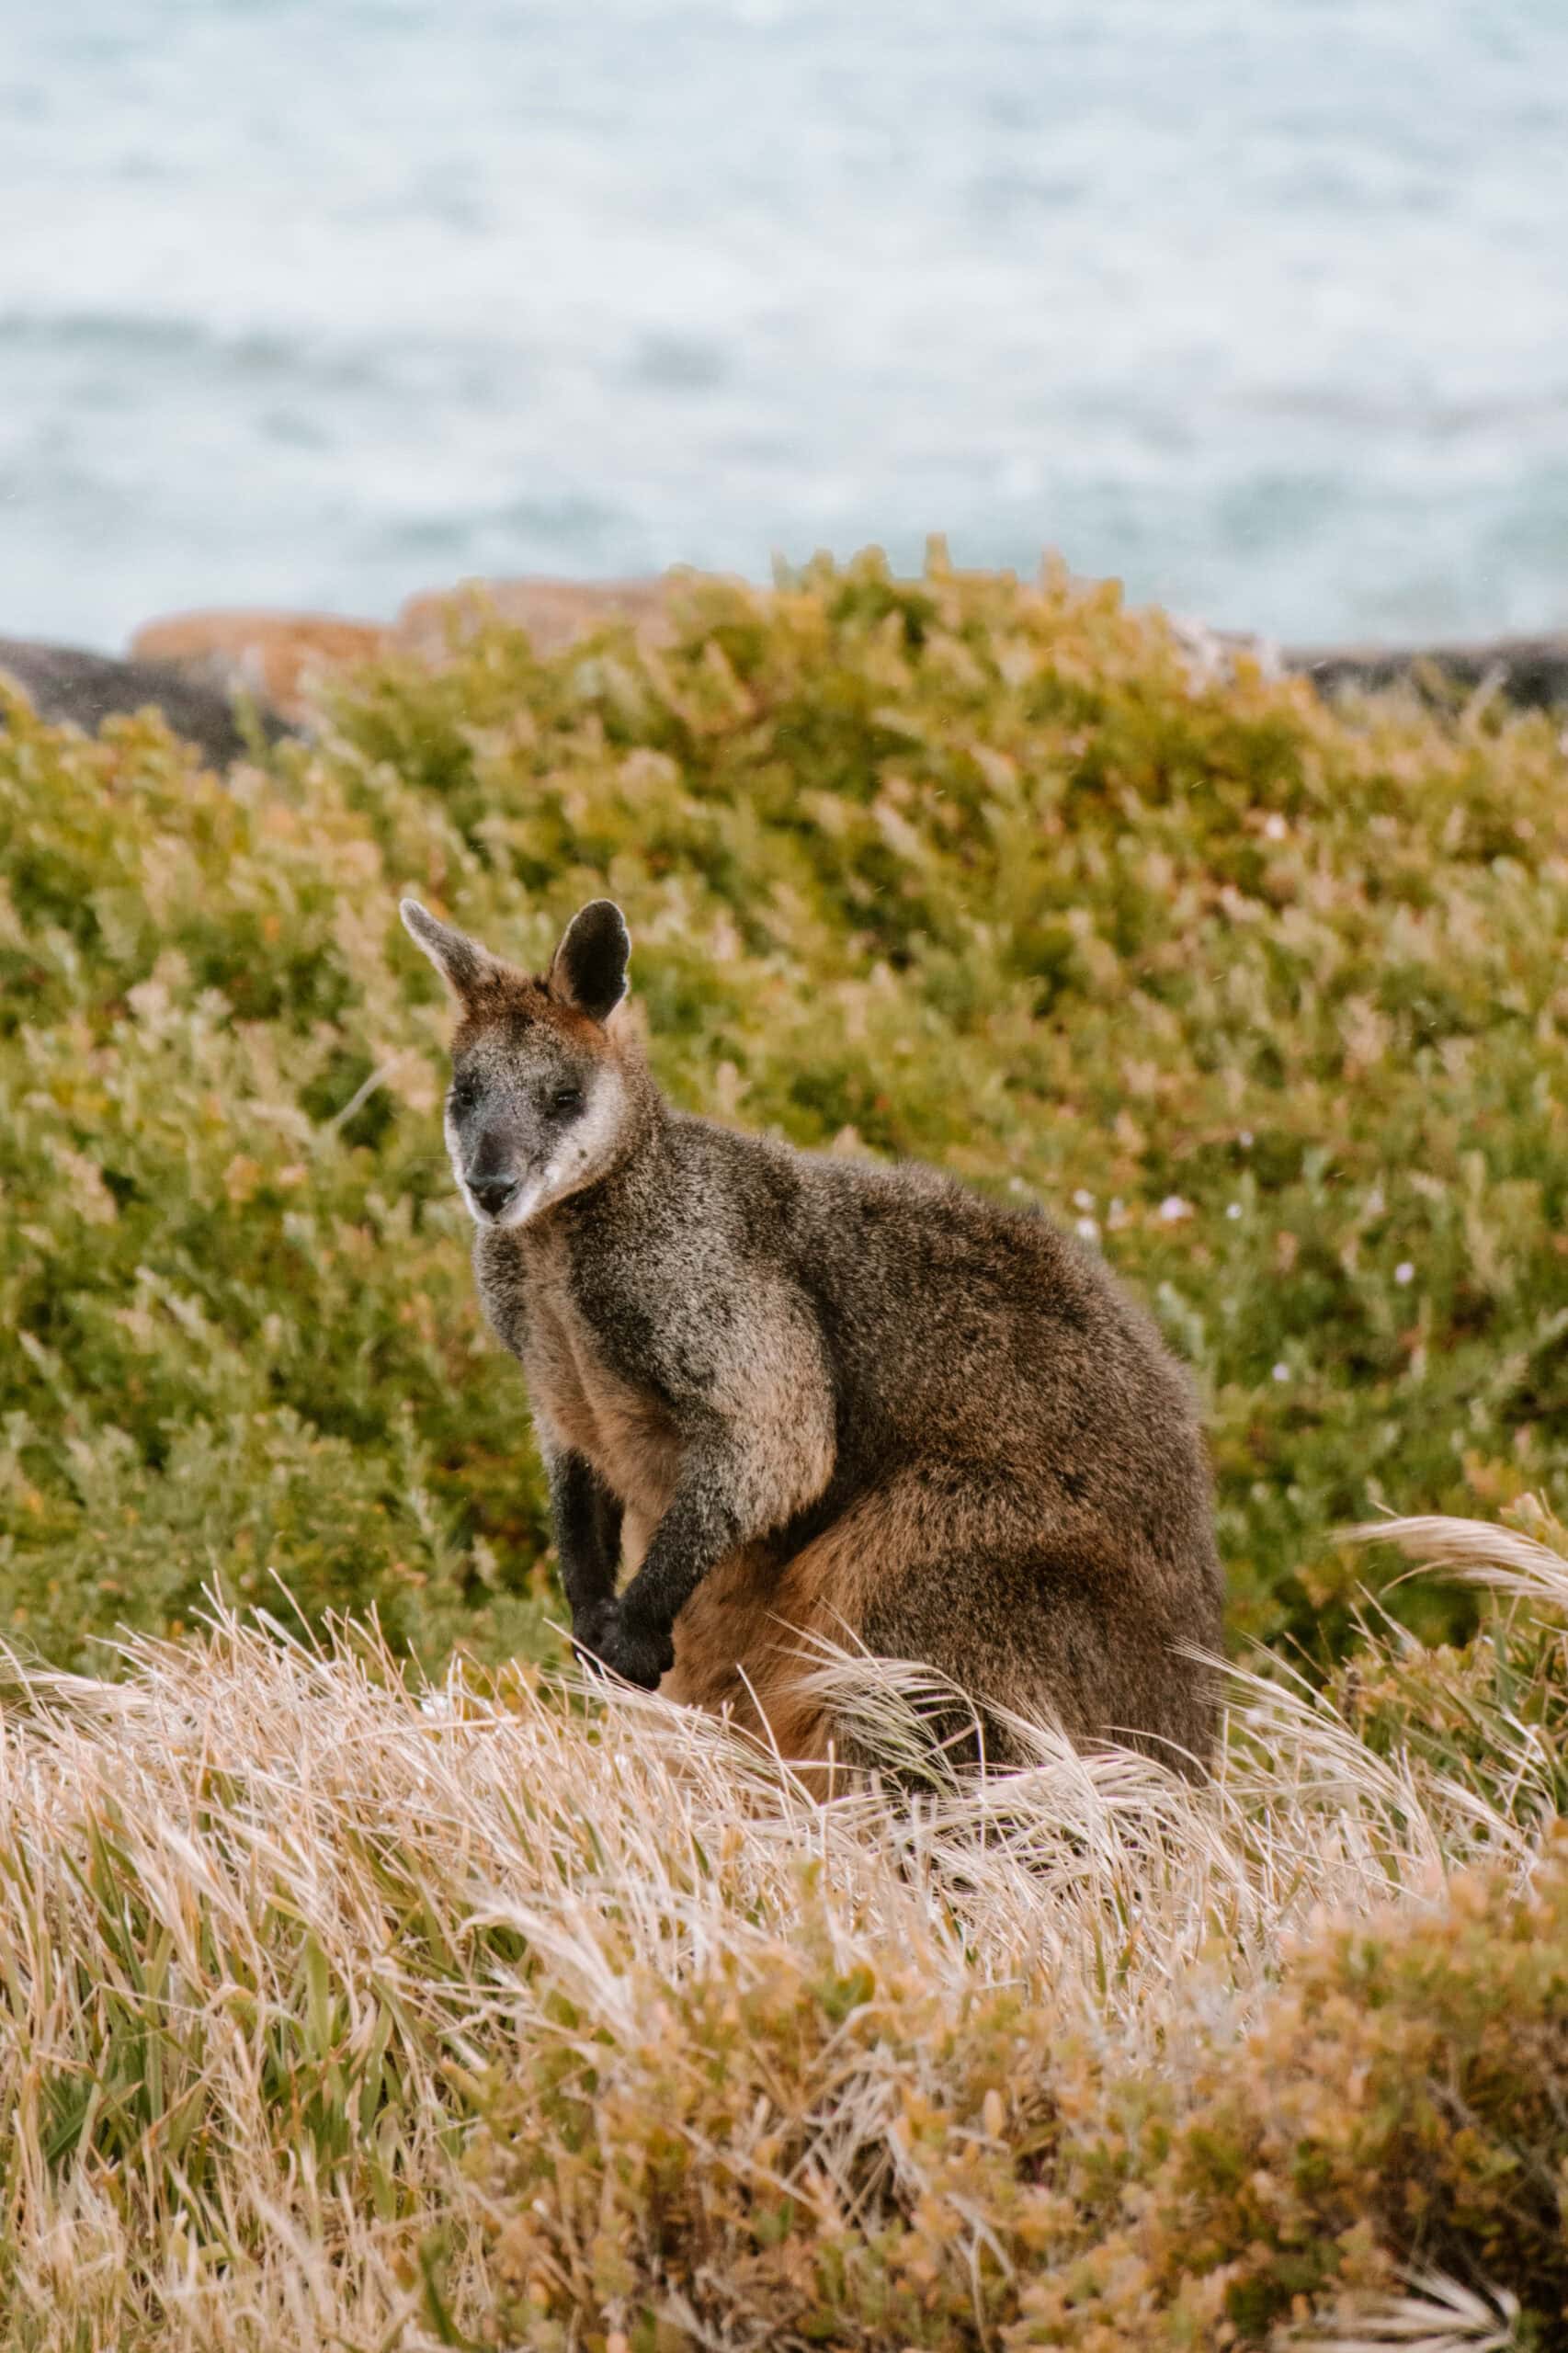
pixel 815 1394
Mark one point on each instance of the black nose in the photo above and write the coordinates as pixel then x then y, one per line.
pixel 491 1193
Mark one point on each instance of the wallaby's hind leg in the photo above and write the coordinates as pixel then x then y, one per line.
pixel 970 1578
pixel 752 1638
pixel 752 1634
pixel 1050 1635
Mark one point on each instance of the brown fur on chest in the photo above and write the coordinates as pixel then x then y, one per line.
pixel 623 1431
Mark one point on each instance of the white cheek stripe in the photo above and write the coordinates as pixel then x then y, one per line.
pixel 452 1155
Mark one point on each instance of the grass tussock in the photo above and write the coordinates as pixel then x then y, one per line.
pixel 335 2014
pixel 1270 997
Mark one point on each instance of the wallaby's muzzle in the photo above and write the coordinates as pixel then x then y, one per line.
pixel 497 1168
pixel 493 1194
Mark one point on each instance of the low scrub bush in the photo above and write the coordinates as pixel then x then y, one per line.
pixel 1269 997
pixel 1398 2107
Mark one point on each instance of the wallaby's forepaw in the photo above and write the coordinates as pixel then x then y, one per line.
pixel 590 1630
pixel 638 1654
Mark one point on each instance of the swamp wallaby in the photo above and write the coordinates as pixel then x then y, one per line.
pixel 812 1397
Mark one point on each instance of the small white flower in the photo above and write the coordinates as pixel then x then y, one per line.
pixel 1275 827
pixel 1172 1209
pixel 1234 1210
pixel 1405 1272
pixel 1083 1200
pixel 1244 1139
pixel 1282 1373
pixel 1089 1228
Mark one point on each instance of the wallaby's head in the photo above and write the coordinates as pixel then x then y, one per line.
pixel 541 1100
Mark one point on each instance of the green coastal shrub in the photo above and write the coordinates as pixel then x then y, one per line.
pixel 1271 996
pixel 1400 2105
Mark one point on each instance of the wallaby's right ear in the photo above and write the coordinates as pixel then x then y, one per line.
pixel 589 967
pixel 462 963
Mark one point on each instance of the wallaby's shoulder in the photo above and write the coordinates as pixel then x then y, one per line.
pixel 741 1186
pixel 862 1192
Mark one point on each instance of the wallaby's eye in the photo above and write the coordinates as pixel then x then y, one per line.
pixel 464 1094
pixel 565 1100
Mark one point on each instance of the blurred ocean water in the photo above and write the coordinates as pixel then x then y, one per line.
pixel 1262 305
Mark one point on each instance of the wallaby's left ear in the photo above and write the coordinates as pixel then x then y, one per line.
pixel 589 967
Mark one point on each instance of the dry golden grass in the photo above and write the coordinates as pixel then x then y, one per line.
pixel 336 2013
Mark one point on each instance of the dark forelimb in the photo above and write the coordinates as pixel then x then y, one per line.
pixel 586 1522
pixel 699 1527
pixel 751 1397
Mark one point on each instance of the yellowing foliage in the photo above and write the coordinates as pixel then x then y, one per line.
pixel 1270 998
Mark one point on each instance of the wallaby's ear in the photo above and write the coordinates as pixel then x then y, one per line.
pixel 589 966
pixel 462 963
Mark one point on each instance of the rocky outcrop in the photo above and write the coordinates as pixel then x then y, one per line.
pixel 66 685
pixel 283 656
pixel 555 613
pixel 192 665
pixel 274 655
pixel 1531 672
